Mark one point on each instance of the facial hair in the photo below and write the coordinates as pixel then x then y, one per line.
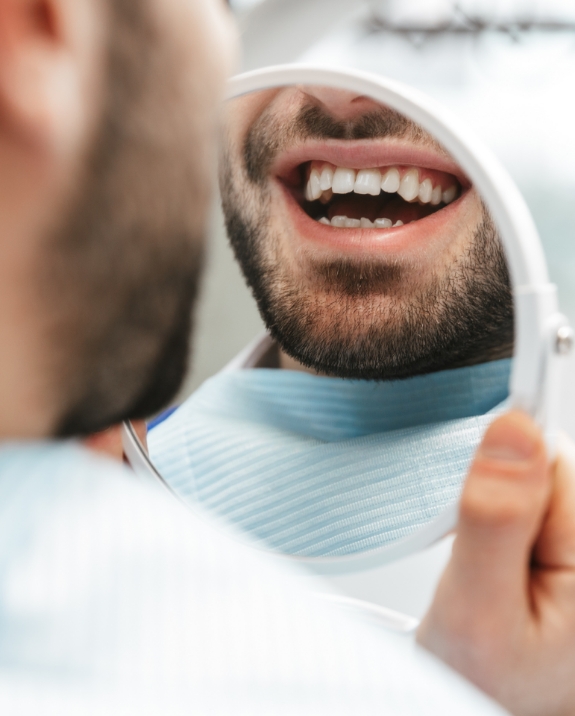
pixel 123 267
pixel 356 318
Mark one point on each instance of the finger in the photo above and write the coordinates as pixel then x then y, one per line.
pixel 503 504
pixel 555 547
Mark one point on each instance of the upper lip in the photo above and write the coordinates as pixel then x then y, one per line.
pixel 366 154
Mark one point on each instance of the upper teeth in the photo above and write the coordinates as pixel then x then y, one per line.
pixel 322 182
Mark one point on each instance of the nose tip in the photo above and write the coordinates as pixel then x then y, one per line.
pixel 341 103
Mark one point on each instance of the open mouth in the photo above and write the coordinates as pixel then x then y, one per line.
pixel 371 198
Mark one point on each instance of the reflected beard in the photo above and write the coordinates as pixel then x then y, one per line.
pixel 353 319
pixel 121 273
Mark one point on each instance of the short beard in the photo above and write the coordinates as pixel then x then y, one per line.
pixel 122 272
pixel 343 328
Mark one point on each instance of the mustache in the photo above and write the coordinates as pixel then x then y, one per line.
pixel 270 135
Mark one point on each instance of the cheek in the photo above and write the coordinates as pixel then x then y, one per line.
pixel 457 241
pixel 216 45
pixel 464 230
pixel 203 43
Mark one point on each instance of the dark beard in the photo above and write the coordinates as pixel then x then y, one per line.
pixel 463 318
pixel 466 319
pixel 123 268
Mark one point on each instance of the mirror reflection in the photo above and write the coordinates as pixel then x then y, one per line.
pixel 382 282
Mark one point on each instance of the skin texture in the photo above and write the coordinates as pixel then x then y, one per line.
pixel 100 209
pixel 504 612
pixel 376 311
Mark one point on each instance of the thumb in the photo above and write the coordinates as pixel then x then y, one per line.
pixel 555 548
pixel 503 504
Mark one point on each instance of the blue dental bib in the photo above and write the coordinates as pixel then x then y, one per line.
pixel 323 466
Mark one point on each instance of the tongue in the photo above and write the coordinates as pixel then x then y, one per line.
pixel 355 206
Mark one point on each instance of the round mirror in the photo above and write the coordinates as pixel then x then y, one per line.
pixel 407 302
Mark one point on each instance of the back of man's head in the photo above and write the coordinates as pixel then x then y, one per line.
pixel 106 142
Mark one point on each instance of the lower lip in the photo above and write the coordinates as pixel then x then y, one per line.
pixel 410 238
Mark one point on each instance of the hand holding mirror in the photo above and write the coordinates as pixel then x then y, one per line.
pixel 378 236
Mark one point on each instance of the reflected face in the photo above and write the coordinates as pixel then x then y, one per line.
pixel 368 251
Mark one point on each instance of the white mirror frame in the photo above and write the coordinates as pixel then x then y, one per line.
pixel 542 335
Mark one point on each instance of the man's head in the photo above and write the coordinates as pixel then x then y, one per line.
pixel 411 281
pixel 107 129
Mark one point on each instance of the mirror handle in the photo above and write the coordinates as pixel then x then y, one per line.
pixel 543 342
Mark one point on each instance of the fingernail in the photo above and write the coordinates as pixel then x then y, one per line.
pixel 509 442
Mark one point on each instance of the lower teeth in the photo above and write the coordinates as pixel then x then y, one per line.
pixel 342 222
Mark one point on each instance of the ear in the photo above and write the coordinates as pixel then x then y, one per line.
pixel 48 78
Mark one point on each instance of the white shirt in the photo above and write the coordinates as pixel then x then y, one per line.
pixel 114 599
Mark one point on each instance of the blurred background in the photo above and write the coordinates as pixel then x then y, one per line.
pixel 506 67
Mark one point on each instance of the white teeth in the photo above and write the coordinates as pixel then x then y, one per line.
pixel 436 196
pixel 325 181
pixel 339 221
pixel 326 178
pixel 368 181
pixel 425 191
pixel 344 222
pixel 390 181
pixel 313 190
pixel 449 194
pixel 409 187
pixel 343 181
